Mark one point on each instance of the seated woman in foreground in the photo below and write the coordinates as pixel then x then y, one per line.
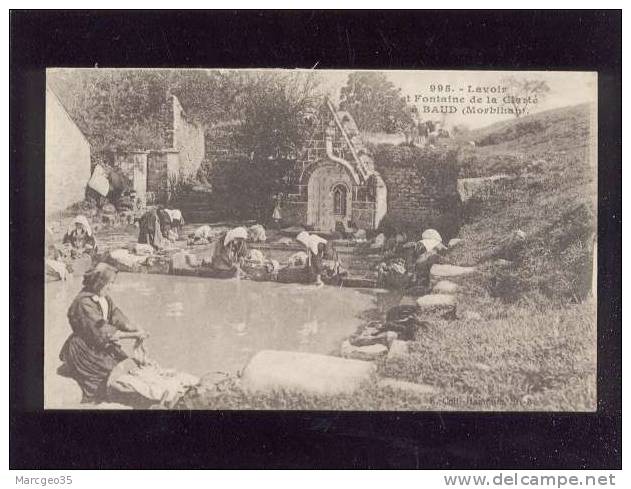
pixel 92 351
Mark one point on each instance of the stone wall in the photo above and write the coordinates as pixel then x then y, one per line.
pixel 134 165
pixel 362 215
pixel 157 177
pixel 67 163
pixel 152 172
pixel 409 199
pixel 422 187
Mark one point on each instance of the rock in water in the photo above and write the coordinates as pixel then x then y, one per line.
pixel 439 304
pixel 440 271
pixel 445 287
pixel 369 352
pixel 309 373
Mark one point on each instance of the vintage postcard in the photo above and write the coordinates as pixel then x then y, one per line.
pixel 320 240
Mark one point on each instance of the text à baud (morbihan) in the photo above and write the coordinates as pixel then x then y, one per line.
pixel 446 99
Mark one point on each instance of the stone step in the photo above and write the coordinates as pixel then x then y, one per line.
pixel 368 352
pixel 309 373
pixel 442 271
pixel 445 287
pixel 440 304
pixel 360 281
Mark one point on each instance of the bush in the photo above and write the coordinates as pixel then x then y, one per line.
pixel 179 185
pixel 244 189
pixel 391 225
pixel 204 172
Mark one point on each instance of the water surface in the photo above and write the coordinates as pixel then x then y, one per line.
pixel 201 325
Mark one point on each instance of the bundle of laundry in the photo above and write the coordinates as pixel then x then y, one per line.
pixel 393 275
pixel 258 268
pixel 256 233
pixel 297 259
pixel 56 270
pixel 163 387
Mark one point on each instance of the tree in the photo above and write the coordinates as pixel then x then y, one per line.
pixel 272 110
pixel 375 103
pixel 522 92
pixel 121 109
pixel 114 108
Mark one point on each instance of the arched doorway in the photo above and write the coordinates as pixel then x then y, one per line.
pixel 329 196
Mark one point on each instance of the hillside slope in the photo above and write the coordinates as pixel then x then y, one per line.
pixel 549 141
pixel 552 199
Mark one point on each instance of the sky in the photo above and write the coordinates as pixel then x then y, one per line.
pixel 566 88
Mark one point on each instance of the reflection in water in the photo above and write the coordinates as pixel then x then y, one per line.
pixel 240 328
pixel 200 325
pixel 174 309
pixel 308 332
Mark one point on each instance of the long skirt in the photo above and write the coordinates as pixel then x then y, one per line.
pixel 89 366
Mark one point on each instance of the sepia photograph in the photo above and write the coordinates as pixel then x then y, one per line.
pixel 335 240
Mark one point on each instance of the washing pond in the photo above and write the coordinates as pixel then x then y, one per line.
pixel 201 325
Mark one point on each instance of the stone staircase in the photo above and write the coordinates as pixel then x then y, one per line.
pixel 361 267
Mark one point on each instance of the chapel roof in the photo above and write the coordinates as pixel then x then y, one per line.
pixel 362 160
